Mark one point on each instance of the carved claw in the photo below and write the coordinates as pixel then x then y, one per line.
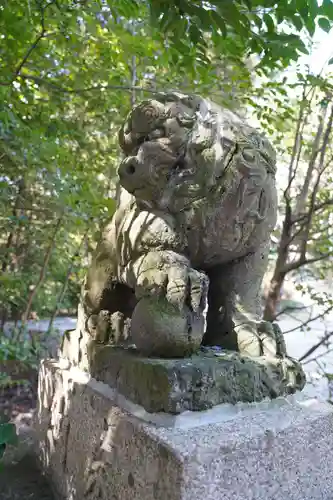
pixel 176 281
pixel 272 339
pixel 187 287
pixel 259 338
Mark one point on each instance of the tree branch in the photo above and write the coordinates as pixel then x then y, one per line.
pixel 315 358
pixel 26 57
pixel 324 204
pixel 297 145
pixel 39 37
pixel 310 320
pixel 312 349
pixel 65 283
pixel 67 90
pixel 300 229
pixel 316 208
pixel 321 169
pixel 16 207
pixel 319 231
pixel 42 273
pixel 303 262
pixel 24 60
pixel 286 310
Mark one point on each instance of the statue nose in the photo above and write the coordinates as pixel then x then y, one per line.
pixel 128 167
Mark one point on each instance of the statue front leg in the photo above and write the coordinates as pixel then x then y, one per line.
pixel 169 318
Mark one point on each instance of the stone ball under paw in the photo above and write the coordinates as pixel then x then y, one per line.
pixel 159 328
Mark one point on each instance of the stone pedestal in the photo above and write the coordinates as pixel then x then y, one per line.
pixel 96 444
pixel 195 383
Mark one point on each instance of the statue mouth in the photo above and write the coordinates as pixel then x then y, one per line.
pixel 136 191
pixel 140 195
pixel 130 188
pixel 142 203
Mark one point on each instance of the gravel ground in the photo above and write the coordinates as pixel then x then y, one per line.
pixel 23 481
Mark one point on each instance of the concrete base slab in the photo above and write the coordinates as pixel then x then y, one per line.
pixel 95 444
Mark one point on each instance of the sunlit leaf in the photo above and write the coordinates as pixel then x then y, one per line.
pixel 324 24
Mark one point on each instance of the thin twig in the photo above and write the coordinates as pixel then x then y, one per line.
pixel 65 283
pixel 303 262
pixel 39 37
pixel 315 359
pixel 26 57
pixel 42 273
pixel 312 349
pixel 289 308
pixel 316 208
pixel 310 320
pixel 61 88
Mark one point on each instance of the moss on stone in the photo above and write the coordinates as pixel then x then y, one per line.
pixel 197 382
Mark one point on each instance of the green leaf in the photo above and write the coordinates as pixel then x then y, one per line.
pixel 302 8
pixel 248 3
pixel 269 23
pixel 327 9
pixel 8 434
pixel 195 33
pixel 325 24
pixel 310 25
pixel 218 20
pixel 297 21
pixel 257 20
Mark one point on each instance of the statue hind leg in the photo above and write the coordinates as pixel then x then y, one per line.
pixel 234 313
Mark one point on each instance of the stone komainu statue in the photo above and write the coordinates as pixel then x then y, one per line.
pixel 182 261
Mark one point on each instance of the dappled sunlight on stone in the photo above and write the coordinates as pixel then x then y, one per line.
pixel 171 386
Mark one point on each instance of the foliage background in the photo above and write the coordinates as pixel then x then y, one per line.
pixel 70 70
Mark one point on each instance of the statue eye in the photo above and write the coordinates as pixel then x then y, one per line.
pixel 249 155
pixel 142 139
pixel 156 134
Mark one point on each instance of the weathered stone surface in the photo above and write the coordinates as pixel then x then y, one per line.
pixel 184 256
pixel 180 265
pixel 195 383
pixel 92 448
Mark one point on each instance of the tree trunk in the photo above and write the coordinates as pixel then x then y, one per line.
pixel 303 195
pixel 133 80
pixel 65 284
pixel 42 273
pixel 6 263
pixel 10 239
pixel 273 295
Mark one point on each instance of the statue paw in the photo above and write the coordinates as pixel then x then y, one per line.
pixel 169 320
pixel 261 338
pixel 187 287
pixel 182 286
